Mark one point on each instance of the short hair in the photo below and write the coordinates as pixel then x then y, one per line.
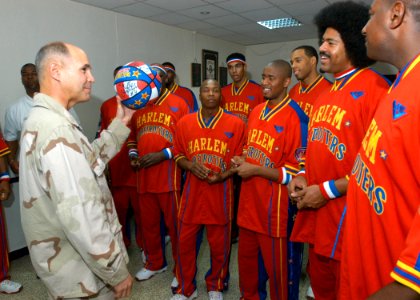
pixel 27 65
pixel 309 51
pixel 54 48
pixel 235 56
pixel 118 68
pixel 348 18
pixel 283 65
pixel 414 7
pixel 207 80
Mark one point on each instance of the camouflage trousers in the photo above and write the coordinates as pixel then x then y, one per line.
pixel 104 294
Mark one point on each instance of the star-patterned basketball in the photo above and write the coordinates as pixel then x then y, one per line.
pixel 137 84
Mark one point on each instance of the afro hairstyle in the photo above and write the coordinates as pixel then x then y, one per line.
pixel 348 18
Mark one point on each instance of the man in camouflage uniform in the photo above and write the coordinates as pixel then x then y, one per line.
pixel 68 215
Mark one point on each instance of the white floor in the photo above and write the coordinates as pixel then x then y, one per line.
pixel 157 288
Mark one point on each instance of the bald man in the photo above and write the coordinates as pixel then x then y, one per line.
pixel 68 215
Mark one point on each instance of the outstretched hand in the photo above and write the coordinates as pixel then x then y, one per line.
pixel 124 113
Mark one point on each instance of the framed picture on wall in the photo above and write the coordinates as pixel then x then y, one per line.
pixel 210 64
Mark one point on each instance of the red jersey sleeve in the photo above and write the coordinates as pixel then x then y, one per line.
pixel 295 145
pixel 406 270
pixel 178 150
pixel 4 149
pixel 132 139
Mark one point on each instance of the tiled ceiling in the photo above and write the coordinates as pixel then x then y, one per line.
pixel 231 20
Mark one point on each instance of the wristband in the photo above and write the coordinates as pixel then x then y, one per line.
pixel 167 152
pixel 302 172
pixel 329 190
pixel 4 176
pixel 286 177
pixel 132 153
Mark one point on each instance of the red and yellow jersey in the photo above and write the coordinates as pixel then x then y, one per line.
pixel 382 238
pixel 4 149
pixel 306 96
pixel 276 138
pixel 338 124
pixel 120 171
pixel 241 101
pixel 186 94
pixel 213 144
pixel 153 130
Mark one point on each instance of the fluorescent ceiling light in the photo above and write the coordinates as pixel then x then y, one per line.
pixel 280 23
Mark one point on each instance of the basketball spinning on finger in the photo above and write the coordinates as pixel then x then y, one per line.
pixel 137 83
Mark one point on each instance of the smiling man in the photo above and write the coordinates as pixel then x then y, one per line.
pixel 276 137
pixel 68 215
pixel 304 61
pixel 338 124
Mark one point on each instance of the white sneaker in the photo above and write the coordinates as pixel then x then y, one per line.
pixel 182 297
pixel 215 295
pixel 145 274
pixel 178 297
pixel 10 287
pixel 174 283
pixel 310 293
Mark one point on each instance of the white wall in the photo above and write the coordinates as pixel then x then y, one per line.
pixel 109 38
pixel 258 56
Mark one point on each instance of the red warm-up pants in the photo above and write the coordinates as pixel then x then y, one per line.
pixel 4 253
pixel 152 207
pixel 273 251
pixel 324 273
pixel 124 196
pixel 219 238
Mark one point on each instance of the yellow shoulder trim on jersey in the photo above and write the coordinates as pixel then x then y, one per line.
pixel 407 268
pixel 5 152
pixel 405 282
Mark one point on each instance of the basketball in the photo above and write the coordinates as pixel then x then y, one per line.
pixel 137 84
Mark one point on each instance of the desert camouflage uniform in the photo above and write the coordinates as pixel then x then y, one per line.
pixel 68 215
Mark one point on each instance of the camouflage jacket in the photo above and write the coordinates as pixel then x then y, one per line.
pixel 68 215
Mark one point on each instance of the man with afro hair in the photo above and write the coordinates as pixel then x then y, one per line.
pixel 338 124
